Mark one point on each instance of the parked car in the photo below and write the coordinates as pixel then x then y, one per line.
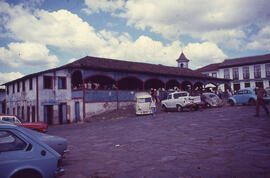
pixel 142 105
pixel 245 96
pixel 211 100
pixel 59 144
pixel 180 100
pixel 23 155
pixel 37 126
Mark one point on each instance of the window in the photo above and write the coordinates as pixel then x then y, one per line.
pixel 257 71
pixel 235 73
pixel 267 70
pixel 10 142
pixel 18 111
pixel 247 84
pixel 13 111
pixel 47 82
pixel 214 74
pixel 259 84
pixel 23 85
pixel 7 90
pixel 18 86
pixel 236 86
pixel 13 88
pixel 227 73
pixel 246 72
pixel 30 83
pixel 10 119
pixel 62 83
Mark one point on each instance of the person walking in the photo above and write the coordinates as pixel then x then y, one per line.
pixel 153 106
pixel 260 92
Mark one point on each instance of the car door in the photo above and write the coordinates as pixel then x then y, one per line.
pixel 19 152
pixel 239 97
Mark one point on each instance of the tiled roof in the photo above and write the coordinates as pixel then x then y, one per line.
pixel 245 61
pixel 236 62
pixel 210 67
pixel 138 67
pixel 182 57
pixel 89 62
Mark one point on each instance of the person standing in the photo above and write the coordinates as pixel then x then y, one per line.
pixel 153 106
pixel 260 92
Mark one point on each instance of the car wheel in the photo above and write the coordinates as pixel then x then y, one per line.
pixel 231 102
pixel 195 107
pixel 251 102
pixel 179 108
pixel 164 108
pixel 27 173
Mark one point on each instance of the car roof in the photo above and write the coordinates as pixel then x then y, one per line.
pixel 4 124
pixel 142 95
pixel 249 88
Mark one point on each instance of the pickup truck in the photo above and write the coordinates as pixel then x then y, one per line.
pixel 180 100
pixel 37 126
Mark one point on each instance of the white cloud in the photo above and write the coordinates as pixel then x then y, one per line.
pixel 217 21
pixel 27 54
pixel 261 40
pixel 58 28
pixel 71 60
pixel 201 54
pixel 68 32
pixel 95 6
pixel 6 77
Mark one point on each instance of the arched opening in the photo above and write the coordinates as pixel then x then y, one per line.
pixel 198 86
pixel 153 83
pixel 172 84
pixel 130 83
pixel 211 87
pixel 76 80
pixel 186 86
pixel 99 82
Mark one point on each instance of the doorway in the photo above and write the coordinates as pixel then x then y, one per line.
pixel 77 111
pixel 48 114
pixel 63 113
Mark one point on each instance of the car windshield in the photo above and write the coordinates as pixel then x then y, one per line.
pixel 144 100
pixel 212 96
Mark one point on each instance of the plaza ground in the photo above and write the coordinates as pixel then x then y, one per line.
pixel 216 142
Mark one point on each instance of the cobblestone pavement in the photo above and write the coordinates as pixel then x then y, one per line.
pixel 216 142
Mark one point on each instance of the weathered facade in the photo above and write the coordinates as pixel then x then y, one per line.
pixel 252 71
pixel 91 85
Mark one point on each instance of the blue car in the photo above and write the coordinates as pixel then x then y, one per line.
pixel 23 155
pixel 245 96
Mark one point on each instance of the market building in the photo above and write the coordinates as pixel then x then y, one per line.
pixel 92 85
pixel 252 71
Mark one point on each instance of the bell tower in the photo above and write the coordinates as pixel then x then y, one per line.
pixel 182 61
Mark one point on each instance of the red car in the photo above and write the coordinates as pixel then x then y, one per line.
pixel 37 126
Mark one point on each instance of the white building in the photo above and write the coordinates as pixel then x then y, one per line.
pixel 92 85
pixel 252 71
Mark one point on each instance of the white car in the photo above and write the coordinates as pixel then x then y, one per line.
pixel 211 100
pixel 142 104
pixel 180 100
pixel 22 155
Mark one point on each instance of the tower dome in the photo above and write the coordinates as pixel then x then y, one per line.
pixel 182 61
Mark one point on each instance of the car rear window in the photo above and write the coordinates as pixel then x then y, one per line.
pixel 10 142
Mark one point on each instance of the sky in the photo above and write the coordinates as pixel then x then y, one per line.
pixel 37 35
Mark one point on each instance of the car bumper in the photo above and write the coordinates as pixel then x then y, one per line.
pixel 59 172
